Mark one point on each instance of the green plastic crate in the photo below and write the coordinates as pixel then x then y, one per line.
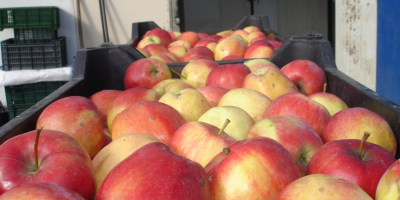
pixel 14 111
pixel 29 17
pixel 34 35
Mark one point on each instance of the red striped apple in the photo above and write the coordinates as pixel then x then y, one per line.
pixel 229 76
pixel 40 191
pixel 213 94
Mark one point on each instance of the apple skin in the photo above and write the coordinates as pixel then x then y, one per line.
pixel 213 94
pixel 388 186
pixel 155 48
pixel 146 72
pixel 162 57
pixel 78 117
pixel 215 37
pixel 126 98
pixel 189 36
pixel 321 186
pixel 39 191
pixel 180 43
pixel 168 85
pixel 300 106
pixel 255 34
pixel 157 119
pixel 229 76
pixel 155 172
pixel 259 49
pixel 164 36
pixel 117 151
pixel 308 76
pixel 224 33
pixel 178 51
pixel 339 158
pixel 298 138
pixel 331 102
pixel 270 81
pixel 351 123
pixel 202 35
pixel 196 72
pixel 144 52
pixel 62 161
pixel 148 40
pixel 103 100
pixel 199 141
pixel 251 29
pixel 174 34
pixel 240 32
pixel 198 51
pixel 233 57
pixel 258 63
pixel 231 45
pixel 209 43
pixel 257 167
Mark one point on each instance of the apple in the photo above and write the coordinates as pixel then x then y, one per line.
pixel 258 63
pixel 321 186
pixel 119 149
pixel 162 57
pixel 155 48
pixel 213 94
pixel 209 43
pixel 196 72
pixel 202 35
pixel 224 33
pixel 251 29
pixel 259 49
pixel 46 156
pixel 253 102
pixel 360 162
pixel 308 76
pixel 155 172
pixel 179 51
pixel 232 45
pixel 144 52
pixel 170 85
pixel 229 76
pixel 199 141
pixel 126 98
pixel 189 36
pixel 257 167
pixel 146 72
pixel 256 39
pixel 240 32
pixel 298 138
pixel 180 43
pixel 331 102
pixel 76 116
pixel 190 103
pixel 215 37
pixel 152 117
pixel 351 123
pixel 240 121
pixel 174 34
pixel 300 106
pixel 148 40
pixel 388 186
pixel 198 51
pixel 164 36
pixel 39 191
pixel 274 43
pixel 255 34
pixel 103 100
pixel 270 81
pixel 172 56
pixel 233 57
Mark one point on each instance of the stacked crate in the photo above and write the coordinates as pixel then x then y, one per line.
pixel 35 45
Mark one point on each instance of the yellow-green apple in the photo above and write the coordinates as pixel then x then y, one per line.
pixel 300 106
pixel 189 36
pixel 126 98
pixel 331 102
pixel 162 57
pixel 196 72
pixel 198 51
pixel 76 116
pixel 308 76
pixel 46 156
pixel 199 141
pixel 224 33
pixel 215 37
pixel 189 102
pixel 255 34
pixel 103 100
pixel 233 57
pixel 322 187
pixel 351 123
pixel 179 51
pixel 229 76
pixel 171 85
pixel 180 43
pixel 119 149
pixel 174 34
pixel 257 167
pixel 152 117
pixel 146 72
pixel 240 32
pixel 155 172
pixel 358 161
pixel 257 63
pixel 298 138
pixel 144 52
pixel 253 102
pixel 164 36
pixel 240 121
pixel 251 29
pixel 40 191
pixel 148 40
pixel 270 81
pixel 213 94
pixel 232 45
pixel 155 48
pixel 259 49
pixel 202 35
pixel 388 186
pixel 209 43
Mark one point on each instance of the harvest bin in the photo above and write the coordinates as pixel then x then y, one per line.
pixel 104 68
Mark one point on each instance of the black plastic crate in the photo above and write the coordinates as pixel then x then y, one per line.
pixel 34 35
pixel 33 56
pixel 30 17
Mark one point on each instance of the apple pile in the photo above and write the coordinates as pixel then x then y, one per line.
pixel 170 47
pixel 217 132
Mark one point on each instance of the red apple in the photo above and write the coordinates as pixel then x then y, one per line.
pixel 357 161
pixel 179 51
pixel 232 45
pixel 240 32
pixel 215 37
pixel 256 39
pixel 171 55
pixel 224 33
pixel 174 34
pixel 76 116
pixel 202 35
pixel 144 52
pixel 103 100
pixel 60 160
pixel 257 167
pixel 209 43
pixel 146 72
pixel 251 29
pixel 389 183
pixel 198 51
pixel 213 94
pixel 259 49
pixel 189 36
pixel 255 34
pixel 229 76
pixel 40 191
pixel 308 76
pixel 179 43
pixel 233 57
pixel 162 57
pixel 274 43
pixel 164 36
pixel 155 172
pixel 155 48
pixel 196 72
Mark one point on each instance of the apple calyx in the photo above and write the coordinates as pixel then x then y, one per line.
pixel 226 150
pixel 325 85
pixel 154 71
pixel 224 126
pixel 38 130
pixel 363 140
pixel 177 73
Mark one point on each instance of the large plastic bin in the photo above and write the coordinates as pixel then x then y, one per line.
pixel 29 17
pixel 104 68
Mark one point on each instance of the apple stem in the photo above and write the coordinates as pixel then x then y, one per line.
pixel 38 130
pixel 270 35
pixel 325 85
pixel 363 140
pixel 224 126
pixel 226 150
pixel 177 73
